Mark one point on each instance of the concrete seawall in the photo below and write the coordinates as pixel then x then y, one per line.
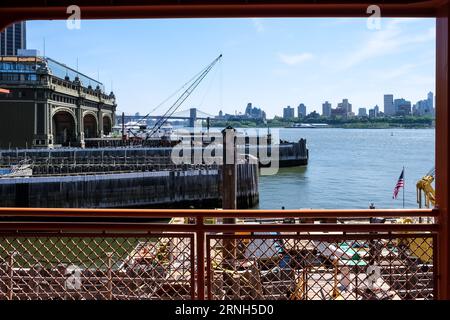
pixel 199 187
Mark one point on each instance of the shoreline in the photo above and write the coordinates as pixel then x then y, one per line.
pixel 335 127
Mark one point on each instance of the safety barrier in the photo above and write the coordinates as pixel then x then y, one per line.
pixel 297 255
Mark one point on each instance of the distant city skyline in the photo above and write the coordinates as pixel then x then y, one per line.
pixel 394 105
pixel 272 63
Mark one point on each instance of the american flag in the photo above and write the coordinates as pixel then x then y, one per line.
pixel 400 184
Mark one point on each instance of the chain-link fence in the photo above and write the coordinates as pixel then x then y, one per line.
pixel 136 254
pixel 321 267
pixel 77 266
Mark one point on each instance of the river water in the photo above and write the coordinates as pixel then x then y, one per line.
pixel 350 168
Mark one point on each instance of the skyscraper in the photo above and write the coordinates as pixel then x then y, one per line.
pixel 326 109
pixel 301 110
pixel 288 113
pixel 389 109
pixel 346 106
pixel 430 100
pixel 248 110
pixel 376 110
pixel 424 107
pixel 402 107
pixel 362 112
pixel 254 112
pixel 13 38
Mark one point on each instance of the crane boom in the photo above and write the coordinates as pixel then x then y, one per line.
pixel 161 121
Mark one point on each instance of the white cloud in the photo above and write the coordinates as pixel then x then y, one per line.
pixel 258 24
pixel 402 71
pixel 295 59
pixel 390 39
pixel 397 72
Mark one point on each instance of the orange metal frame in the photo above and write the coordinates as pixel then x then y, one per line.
pixel 104 222
pixel 314 237
pixel 11 11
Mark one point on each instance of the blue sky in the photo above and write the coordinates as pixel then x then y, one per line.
pixel 269 62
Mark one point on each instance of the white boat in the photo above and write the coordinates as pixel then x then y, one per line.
pixel 131 125
pixel 141 130
pixel 308 125
pixel 303 125
pixel 23 169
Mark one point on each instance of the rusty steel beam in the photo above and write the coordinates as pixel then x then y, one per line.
pixel 12 11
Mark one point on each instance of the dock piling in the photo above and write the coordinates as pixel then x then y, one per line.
pixel 229 201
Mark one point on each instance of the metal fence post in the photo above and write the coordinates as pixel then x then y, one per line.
pixel 305 283
pixel 229 201
pixel 200 232
pixel 10 275
pixel 109 275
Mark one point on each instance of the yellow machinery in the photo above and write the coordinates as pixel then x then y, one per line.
pixel 425 186
pixel 422 247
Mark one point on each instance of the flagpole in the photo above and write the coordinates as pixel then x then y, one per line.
pixel 404 187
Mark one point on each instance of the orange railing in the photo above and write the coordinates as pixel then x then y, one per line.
pixel 318 253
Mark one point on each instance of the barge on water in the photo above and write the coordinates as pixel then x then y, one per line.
pixel 174 187
pixel 139 176
pixel 289 154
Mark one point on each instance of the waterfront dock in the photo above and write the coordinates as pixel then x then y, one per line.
pixel 146 187
pixel 106 159
pixel 130 177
